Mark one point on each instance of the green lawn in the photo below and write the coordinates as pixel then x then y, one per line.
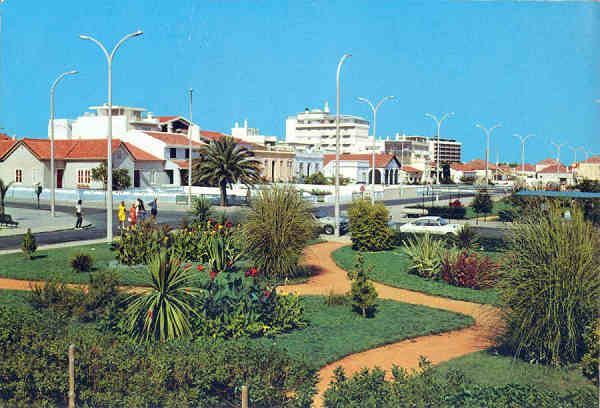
pixel 498 206
pixel 488 367
pixel 336 331
pixel 391 268
pixel 16 298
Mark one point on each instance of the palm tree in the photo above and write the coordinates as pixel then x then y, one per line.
pixel 224 162
pixel 3 189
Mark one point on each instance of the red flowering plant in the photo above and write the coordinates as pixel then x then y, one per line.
pixel 223 247
pixel 456 204
pixel 470 271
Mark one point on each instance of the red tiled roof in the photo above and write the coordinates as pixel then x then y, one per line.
pixel 459 166
pixel 184 164
pixel 554 169
pixel 479 164
pixel 85 149
pixel 4 136
pixel 547 161
pixel 411 169
pixel 163 119
pixel 381 160
pixel 6 145
pixel 528 167
pixel 139 154
pixel 593 160
pixel 173 139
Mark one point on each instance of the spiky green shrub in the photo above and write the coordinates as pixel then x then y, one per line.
pixel 550 286
pixel 426 254
pixel 163 312
pixel 278 226
pixel 369 227
pixel 589 362
pixel 140 243
pixel 363 295
pixel 82 262
pixel 466 238
pixel 29 244
pixel 201 209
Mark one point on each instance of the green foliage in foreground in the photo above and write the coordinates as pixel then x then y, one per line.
pixel 392 268
pixel 550 287
pixel 28 246
pixel 112 371
pixel 428 388
pixel 489 367
pixel 363 295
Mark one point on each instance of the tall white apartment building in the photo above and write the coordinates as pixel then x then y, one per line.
pixel 423 148
pixel 317 127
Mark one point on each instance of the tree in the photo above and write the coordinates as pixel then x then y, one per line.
pixel 363 294
pixel 369 227
pixel 3 189
pixel 482 203
pixel 316 179
pixel 121 178
pixel 224 162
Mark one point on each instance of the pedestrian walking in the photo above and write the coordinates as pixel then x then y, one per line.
pixel 141 210
pixel 122 215
pixel 132 215
pixel 154 209
pixel 79 215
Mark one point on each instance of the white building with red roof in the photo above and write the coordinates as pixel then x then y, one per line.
pixel 589 169
pixel 357 167
pixel 27 162
pixel 556 174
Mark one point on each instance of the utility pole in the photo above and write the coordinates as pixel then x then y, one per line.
pixel 190 130
pixel 487 150
pixel 439 124
pixel 337 148
pixel 523 139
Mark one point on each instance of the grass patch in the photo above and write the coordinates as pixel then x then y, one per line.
pixel 391 268
pixel 15 298
pixel 335 331
pixel 498 206
pixel 489 367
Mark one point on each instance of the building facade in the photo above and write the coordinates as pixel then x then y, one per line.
pixel 318 127
pixel 358 168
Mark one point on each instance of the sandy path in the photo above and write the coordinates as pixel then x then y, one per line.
pixel 329 278
pixel 436 348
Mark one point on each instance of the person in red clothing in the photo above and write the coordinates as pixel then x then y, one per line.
pixel 132 214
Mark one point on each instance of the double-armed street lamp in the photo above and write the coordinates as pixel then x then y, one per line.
pixel 337 147
pixel 53 176
pixel 109 58
pixel 488 132
pixel 374 110
pixel 439 124
pixel 523 139
pixel 558 146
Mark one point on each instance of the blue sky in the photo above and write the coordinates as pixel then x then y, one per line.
pixel 534 66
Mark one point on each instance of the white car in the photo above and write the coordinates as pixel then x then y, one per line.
pixel 431 225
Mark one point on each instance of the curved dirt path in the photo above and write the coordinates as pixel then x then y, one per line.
pixel 329 278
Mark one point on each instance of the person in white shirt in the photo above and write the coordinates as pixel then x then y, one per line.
pixel 79 215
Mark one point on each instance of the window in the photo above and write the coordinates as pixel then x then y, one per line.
pixel 187 153
pixel 155 177
pixel 84 176
pixel 18 176
pixel 172 153
pixel 36 176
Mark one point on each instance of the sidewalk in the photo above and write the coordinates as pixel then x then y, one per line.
pixel 37 221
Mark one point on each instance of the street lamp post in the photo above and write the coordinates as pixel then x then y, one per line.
pixel 574 149
pixel 558 146
pixel 190 155
pixel 523 139
pixel 109 58
pixel 487 149
pixel 374 109
pixel 439 124
pixel 337 148
pixel 53 176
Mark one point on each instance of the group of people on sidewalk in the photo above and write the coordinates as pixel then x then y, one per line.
pixel 137 212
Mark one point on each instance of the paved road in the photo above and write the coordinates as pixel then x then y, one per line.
pixel 173 217
pixel 95 216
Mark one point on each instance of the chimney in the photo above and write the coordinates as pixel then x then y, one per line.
pixel 14 137
pixel 237 125
pixel 245 123
pixel 149 115
pixel 326 107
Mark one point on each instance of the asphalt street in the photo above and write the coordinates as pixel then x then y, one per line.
pixel 171 216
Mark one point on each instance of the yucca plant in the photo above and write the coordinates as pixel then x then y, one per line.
pixel 82 262
pixel 3 189
pixel 425 253
pixel 550 285
pixel 164 311
pixel 466 239
pixel 278 226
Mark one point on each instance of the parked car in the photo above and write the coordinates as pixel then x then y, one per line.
pixel 431 225
pixel 327 223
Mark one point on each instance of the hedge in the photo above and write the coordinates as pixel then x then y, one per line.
pixel 112 371
pixel 456 213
